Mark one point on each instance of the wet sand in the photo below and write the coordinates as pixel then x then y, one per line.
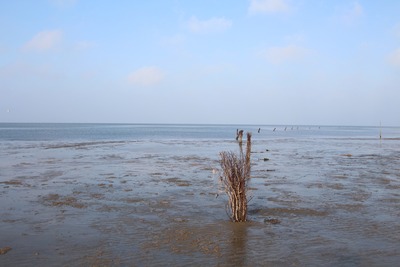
pixel 325 203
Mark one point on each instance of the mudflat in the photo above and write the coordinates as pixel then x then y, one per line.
pixel 316 203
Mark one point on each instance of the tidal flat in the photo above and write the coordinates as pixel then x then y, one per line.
pixel 315 202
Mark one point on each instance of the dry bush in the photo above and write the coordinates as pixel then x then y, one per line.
pixel 235 176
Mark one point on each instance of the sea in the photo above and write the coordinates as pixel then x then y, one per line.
pixel 87 194
pixel 68 132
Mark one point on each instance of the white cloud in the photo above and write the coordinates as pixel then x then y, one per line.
pixel 295 38
pixel 268 6
pixel 396 30
pixel 175 40
pixel 146 76
pixel 357 10
pixel 208 26
pixel 282 54
pixel 43 41
pixel 394 57
pixel 82 45
pixel 351 14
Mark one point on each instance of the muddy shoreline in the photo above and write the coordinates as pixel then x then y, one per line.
pixel 157 204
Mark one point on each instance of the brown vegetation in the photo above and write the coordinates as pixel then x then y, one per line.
pixel 235 175
pixel 4 250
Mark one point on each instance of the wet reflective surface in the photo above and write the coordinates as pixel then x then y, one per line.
pixel 318 201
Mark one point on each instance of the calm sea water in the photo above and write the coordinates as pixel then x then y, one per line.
pixel 69 132
pixel 148 195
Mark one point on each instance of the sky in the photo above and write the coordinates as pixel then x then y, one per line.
pixel 288 62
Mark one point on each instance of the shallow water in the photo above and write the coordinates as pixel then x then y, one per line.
pixel 149 198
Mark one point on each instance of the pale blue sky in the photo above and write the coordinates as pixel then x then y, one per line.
pixel 184 61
